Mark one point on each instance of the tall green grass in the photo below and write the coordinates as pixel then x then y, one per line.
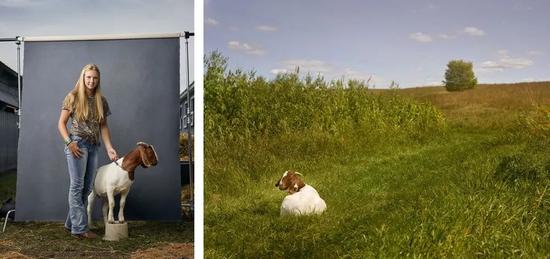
pixel 397 180
pixel 240 105
pixel 250 121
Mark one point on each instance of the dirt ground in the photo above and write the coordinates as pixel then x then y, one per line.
pixel 13 255
pixel 166 250
pixel 172 250
pixel 49 240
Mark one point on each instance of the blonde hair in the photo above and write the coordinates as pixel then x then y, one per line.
pixel 78 100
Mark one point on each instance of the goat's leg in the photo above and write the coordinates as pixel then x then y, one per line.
pixel 111 198
pixel 90 209
pixel 121 206
pixel 105 210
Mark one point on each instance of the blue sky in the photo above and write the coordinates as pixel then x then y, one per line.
pixel 408 41
pixel 79 17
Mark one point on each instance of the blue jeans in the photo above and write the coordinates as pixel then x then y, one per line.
pixel 82 173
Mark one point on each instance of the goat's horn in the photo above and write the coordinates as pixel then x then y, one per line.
pixel 142 143
pixel 299 174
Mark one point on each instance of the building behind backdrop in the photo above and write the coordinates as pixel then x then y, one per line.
pixel 8 118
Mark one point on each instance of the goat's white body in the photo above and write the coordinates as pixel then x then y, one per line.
pixel 110 180
pixel 304 202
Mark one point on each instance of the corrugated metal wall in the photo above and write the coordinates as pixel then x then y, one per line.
pixel 8 140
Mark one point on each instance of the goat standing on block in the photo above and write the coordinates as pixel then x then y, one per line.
pixel 117 177
pixel 302 199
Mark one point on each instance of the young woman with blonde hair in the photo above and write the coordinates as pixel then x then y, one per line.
pixel 88 111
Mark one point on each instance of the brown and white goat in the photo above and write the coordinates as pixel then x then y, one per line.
pixel 117 178
pixel 302 199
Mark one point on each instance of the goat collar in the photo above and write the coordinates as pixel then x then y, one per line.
pixel 119 162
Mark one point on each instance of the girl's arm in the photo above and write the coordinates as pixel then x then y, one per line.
pixel 106 135
pixel 62 127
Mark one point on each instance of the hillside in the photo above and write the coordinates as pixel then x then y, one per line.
pixel 489 105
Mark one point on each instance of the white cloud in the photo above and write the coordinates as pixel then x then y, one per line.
pixel 505 62
pixel 420 37
pixel 312 66
pixel 517 63
pixel 266 28
pixel 211 21
pixel 246 48
pixel 328 71
pixel 257 52
pixel 348 72
pixel 473 31
pixel 491 66
pixel 279 71
pixel 446 36
pixel 371 79
pixel 307 65
pixel 236 45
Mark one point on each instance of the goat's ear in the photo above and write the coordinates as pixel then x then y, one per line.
pixel 155 157
pixel 296 184
pixel 281 179
pixel 144 160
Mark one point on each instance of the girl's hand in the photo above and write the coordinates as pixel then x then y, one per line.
pixel 73 147
pixel 112 154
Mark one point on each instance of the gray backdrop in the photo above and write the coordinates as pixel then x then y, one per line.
pixel 140 79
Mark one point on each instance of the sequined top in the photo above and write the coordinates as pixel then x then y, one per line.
pixel 88 130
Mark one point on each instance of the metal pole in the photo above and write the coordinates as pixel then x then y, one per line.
pixel 9 39
pixel 18 42
pixel 188 112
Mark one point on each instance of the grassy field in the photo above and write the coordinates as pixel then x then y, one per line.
pixel 49 240
pixel 487 106
pixel 477 187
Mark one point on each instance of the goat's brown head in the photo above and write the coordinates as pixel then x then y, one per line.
pixel 148 155
pixel 291 182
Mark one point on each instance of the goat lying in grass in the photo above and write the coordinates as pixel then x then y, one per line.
pixel 303 199
pixel 117 177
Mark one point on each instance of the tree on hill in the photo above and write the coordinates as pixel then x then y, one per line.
pixel 459 76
